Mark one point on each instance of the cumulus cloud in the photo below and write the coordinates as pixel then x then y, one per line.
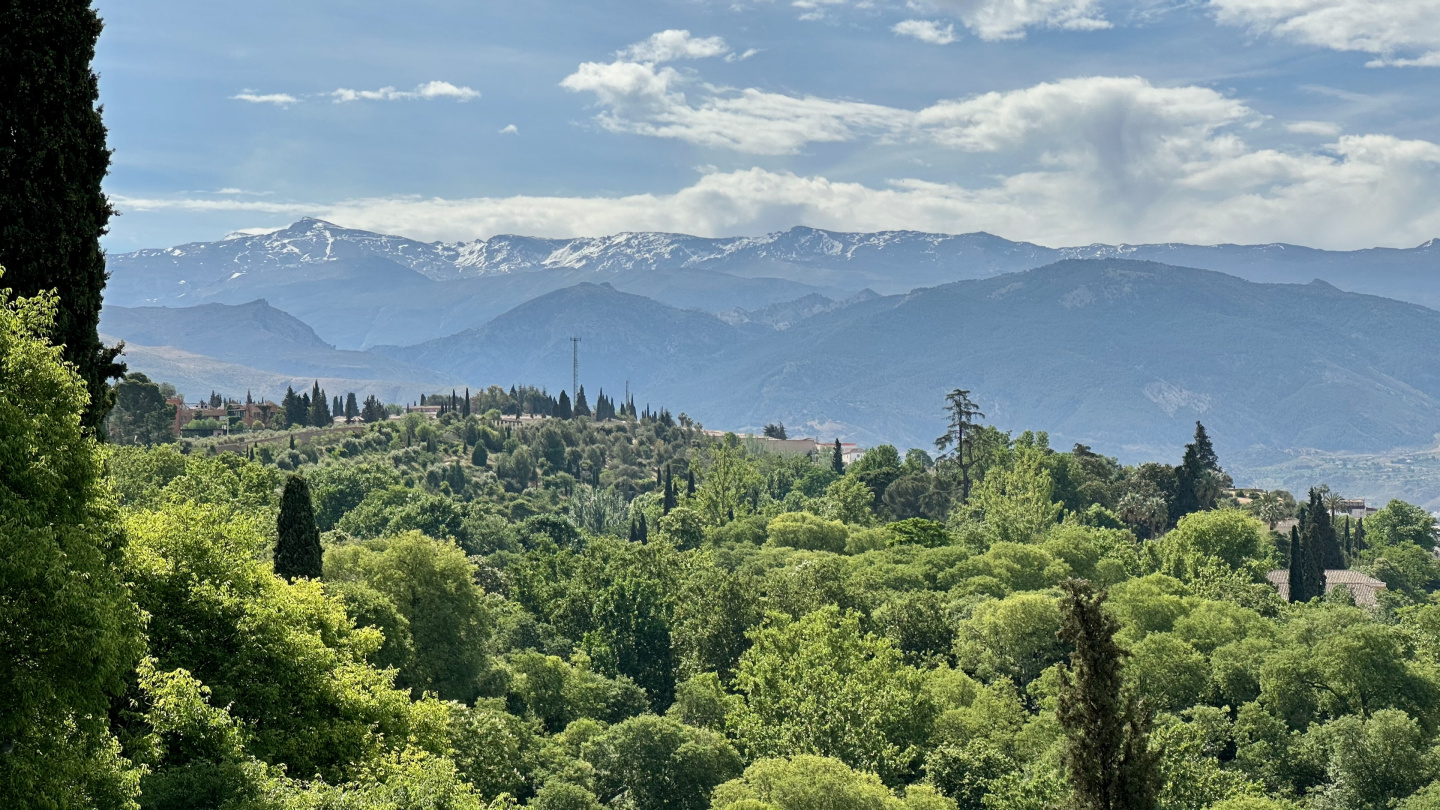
pixel 928 31
pixel 509 129
pixel 1008 19
pixel 422 92
pixel 647 99
pixel 278 99
pixel 1360 191
pixel 1398 32
pixel 668 46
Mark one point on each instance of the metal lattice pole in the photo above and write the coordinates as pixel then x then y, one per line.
pixel 574 367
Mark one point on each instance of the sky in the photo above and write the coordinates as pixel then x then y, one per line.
pixel 1061 122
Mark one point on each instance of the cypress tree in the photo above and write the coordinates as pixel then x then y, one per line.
pixel 319 407
pixel 837 460
pixel 562 407
pixel 670 500
pixel 1319 533
pixel 352 408
pixel 53 160
pixel 1107 752
pixel 1297 567
pixel 480 457
pixel 689 483
pixel 643 531
pixel 297 551
pixel 465 406
pixel 582 408
pixel 1360 535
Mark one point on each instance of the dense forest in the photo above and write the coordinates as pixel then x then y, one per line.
pixel 524 601
pixel 471 611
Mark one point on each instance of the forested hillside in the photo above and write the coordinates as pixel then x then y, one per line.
pixel 470 611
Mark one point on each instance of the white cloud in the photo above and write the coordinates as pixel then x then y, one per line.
pixel 1007 19
pixel 278 99
pixel 1323 128
pixel 928 31
pixel 1389 29
pixel 1361 191
pixel 510 129
pixel 644 99
pixel 422 92
pixel 668 46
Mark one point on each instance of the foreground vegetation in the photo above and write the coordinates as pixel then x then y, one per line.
pixel 631 612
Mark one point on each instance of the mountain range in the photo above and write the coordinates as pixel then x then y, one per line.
pixel 359 289
pixel 851 335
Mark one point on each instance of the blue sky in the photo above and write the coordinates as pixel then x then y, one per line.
pixel 1057 121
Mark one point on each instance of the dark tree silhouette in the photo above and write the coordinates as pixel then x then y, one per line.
pixel 958 443
pixel 297 551
pixel 1107 751
pixel 837 459
pixel 53 159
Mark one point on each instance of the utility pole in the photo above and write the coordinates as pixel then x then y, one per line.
pixel 574 367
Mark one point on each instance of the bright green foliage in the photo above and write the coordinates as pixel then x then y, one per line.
pixel 557 693
pixel 431 584
pixel 495 751
pixel 1400 522
pixel 1375 761
pixel 283 658
pixel 657 763
pixel 819 685
pixel 808 782
pixel 336 489
pixel 68 631
pixel 1016 503
pixel 921 532
pixel 297 545
pixel 1202 540
pixel 701 702
pixel 728 481
pixel 683 527
pixel 714 610
pixel 806 531
pixel 1011 638
pixel 850 501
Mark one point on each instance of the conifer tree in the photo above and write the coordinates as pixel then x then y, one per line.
pixel 479 457
pixel 352 408
pixel 1107 752
pixel 669 497
pixel 294 408
pixel 1318 532
pixel 690 483
pixel 297 549
pixel 465 406
pixel 319 408
pixel 1297 567
pixel 1360 544
pixel 336 407
pixel 582 408
pixel 837 459
pixel 1199 463
pixel 643 531
pixel 53 159
pixel 958 443
pixel 562 407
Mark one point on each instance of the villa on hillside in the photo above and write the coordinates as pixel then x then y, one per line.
pixel 1364 588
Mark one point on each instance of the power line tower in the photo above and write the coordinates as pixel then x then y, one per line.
pixel 574 367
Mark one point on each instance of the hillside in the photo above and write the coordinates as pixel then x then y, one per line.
pixel 256 342
pixel 1121 355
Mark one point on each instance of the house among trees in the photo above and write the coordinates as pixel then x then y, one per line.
pixel 248 413
pixel 1364 588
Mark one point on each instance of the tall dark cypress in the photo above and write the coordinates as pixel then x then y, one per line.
pixel 1297 568
pixel 465 406
pixel 1199 460
pixel 1360 544
pixel 53 159
pixel 1318 532
pixel 670 500
pixel 1107 752
pixel 837 460
pixel 297 551
pixel 642 531
pixel 689 482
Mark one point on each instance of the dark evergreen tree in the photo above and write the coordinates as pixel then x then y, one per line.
pixel 562 407
pixel 776 430
pixel 643 531
pixel 670 495
pixel 319 407
pixel 582 408
pixel 480 457
pixel 292 442
pixel 216 400
pixel 1360 544
pixel 689 483
pixel 465 406
pixel 1107 750
pixel 837 459
pixel 297 547
pixel 1297 567
pixel 336 407
pixel 374 410
pixel 352 408
pixel 1318 532
pixel 293 407
pixel 53 160
pixel 1197 475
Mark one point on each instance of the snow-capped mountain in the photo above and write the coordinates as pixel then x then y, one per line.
pixel 359 288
